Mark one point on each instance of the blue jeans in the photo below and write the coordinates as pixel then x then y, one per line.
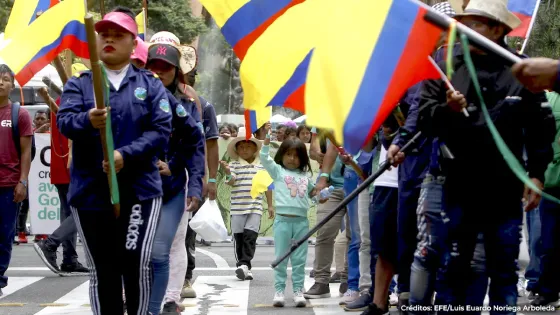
pixel 533 271
pixel 478 278
pixel 8 216
pixel 350 183
pixel 501 243
pixel 549 280
pixel 171 214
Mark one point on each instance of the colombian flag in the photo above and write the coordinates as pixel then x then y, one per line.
pixel 24 12
pixel 525 10
pixel 345 64
pixel 61 27
pixel 254 119
pixel 261 183
pixel 140 21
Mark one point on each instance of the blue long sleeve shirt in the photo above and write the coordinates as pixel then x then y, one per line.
pixel 185 152
pixel 141 123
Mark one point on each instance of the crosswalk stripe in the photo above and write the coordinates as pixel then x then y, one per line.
pixel 326 306
pixel 197 268
pixel 17 283
pixel 74 302
pixel 219 295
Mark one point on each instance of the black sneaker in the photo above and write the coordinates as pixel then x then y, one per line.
pixel 1 293
pixel 74 268
pixel 544 300
pixel 343 288
pixel 48 256
pixel 335 278
pixel 171 308
pixel 532 296
pixel 361 304
pixel 372 309
pixel 318 291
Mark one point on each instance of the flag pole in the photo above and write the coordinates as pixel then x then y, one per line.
pixel 101 8
pixel 533 19
pixel 99 97
pixel 145 9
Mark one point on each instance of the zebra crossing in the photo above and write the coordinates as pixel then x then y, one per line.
pixel 216 295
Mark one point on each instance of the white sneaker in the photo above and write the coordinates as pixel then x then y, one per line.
pixel 241 272
pixel 393 299
pixel 299 300
pixel 249 275
pixel 349 297
pixel 521 287
pixel 278 300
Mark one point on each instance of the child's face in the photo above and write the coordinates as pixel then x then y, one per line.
pixel 291 160
pixel 246 150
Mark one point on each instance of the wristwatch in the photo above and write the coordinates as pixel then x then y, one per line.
pixel 24 183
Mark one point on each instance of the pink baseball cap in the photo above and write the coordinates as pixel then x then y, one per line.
pixel 118 19
pixel 141 51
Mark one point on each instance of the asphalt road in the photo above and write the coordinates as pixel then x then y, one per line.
pixel 34 290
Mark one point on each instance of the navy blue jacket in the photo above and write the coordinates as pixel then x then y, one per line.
pixel 141 123
pixel 184 152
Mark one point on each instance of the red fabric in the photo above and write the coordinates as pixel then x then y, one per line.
pixel 9 158
pixel 59 154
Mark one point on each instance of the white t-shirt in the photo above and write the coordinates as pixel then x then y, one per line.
pixel 388 178
pixel 117 76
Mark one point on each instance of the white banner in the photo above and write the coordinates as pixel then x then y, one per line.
pixel 44 204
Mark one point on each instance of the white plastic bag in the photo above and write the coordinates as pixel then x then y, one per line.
pixel 208 222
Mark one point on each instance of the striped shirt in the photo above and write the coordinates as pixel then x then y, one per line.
pixel 241 201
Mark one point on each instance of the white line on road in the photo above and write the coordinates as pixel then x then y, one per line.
pixel 218 260
pixel 77 303
pixel 16 283
pixel 196 269
pixel 219 296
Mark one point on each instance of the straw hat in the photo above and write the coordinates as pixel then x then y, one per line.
pixel 493 9
pixel 232 152
pixel 457 6
pixel 188 53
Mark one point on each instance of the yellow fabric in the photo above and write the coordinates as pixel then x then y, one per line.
pixel 20 16
pixel 77 68
pixel 261 183
pixel 337 66
pixel 140 23
pixel 222 10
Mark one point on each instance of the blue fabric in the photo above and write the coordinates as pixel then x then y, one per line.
pixel 350 184
pixel 141 121
pixel 8 215
pixel 533 271
pixel 209 121
pixel 184 152
pixel 171 213
pixel 549 281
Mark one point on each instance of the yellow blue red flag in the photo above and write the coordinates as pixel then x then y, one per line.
pixel 345 64
pixel 140 21
pixel 61 27
pixel 261 183
pixel 254 119
pixel 24 12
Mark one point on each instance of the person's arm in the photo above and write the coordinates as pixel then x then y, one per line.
pixel 433 112
pixel 538 74
pixel 72 118
pixel 273 169
pixel 26 132
pixel 231 172
pixel 328 164
pixel 212 149
pixel 315 147
pixel 270 204
pixel 155 137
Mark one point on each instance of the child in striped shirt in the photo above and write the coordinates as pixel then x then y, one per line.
pixel 245 211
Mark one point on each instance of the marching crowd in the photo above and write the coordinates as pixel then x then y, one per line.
pixel 445 220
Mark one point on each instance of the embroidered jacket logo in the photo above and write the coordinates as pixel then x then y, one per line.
pixel 134 227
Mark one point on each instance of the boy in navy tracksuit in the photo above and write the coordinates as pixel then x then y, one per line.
pixel 185 152
pixel 141 122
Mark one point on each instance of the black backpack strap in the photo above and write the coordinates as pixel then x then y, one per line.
pixel 15 127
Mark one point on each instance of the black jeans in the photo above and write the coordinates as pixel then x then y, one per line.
pixel 119 250
pixel 190 242
pixel 66 233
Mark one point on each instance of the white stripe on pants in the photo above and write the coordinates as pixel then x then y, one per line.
pixel 364 201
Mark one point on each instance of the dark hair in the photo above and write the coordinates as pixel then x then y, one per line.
pixel 224 126
pixel 244 141
pixel 233 127
pixel 301 150
pixel 5 69
pixel 289 131
pixel 43 111
pixel 300 129
pixel 281 127
pixel 125 10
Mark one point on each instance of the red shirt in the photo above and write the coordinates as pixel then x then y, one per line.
pixel 59 154
pixel 9 158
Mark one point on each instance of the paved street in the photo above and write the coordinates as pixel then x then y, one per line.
pixel 34 290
